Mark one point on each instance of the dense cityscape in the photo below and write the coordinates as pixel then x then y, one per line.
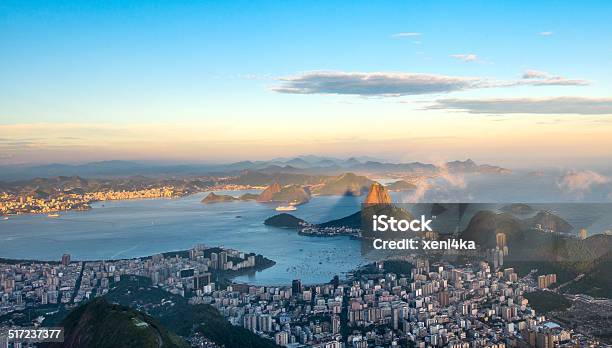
pixel 14 204
pixel 413 304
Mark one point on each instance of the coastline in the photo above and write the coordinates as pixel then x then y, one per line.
pixel 181 253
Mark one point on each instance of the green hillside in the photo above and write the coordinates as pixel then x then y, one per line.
pixel 180 317
pixel 99 324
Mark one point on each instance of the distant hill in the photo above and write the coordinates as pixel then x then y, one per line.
pixel 517 208
pixel 41 187
pixel 294 194
pixel 308 164
pixel 248 197
pixel 99 324
pixel 346 184
pixel 401 185
pixel 469 166
pixel 259 178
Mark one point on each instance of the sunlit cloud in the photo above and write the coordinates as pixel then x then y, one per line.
pixel 581 182
pixel 555 105
pixel 470 57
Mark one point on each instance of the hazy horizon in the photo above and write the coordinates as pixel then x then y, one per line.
pixel 524 85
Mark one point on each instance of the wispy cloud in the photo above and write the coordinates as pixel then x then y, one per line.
pixel 556 105
pixel 469 57
pixel 545 33
pixel 541 78
pixel 399 84
pixel 372 84
pixel 407 34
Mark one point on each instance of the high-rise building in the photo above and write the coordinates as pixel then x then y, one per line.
pixel 542 282
pixel 546 280
pixel 201 280
pixel 265 323
pixel 307 295
pixel 583 234
pixel 335 324
pixel 501 240
pixel 443 298
pixel 66 259
pixel 214 260
pixel 222 260
pixel 249 322
pixel 281 338
pixel 296 286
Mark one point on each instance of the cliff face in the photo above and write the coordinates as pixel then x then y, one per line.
pixel 378 195
pixel 268 194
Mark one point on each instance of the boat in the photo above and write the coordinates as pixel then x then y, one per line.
pixel 5 218
pixel 286 208
pixel 53 215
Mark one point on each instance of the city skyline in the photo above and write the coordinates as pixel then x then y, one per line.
pixel 517 85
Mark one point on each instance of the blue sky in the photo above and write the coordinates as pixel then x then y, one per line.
pixel 215 66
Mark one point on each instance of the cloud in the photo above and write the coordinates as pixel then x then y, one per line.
pixel 534 74
pixel 406 34
pixel 374 84
pixel 580 182
pixel 555 105
pixel 545 33
pixel 393 84
pixel 470 57
pixel 541 78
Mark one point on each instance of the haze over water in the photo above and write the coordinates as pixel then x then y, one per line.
pixel 137 228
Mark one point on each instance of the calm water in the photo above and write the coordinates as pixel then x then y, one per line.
pixel 126 229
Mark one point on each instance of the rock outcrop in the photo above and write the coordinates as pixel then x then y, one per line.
pixel 378 195
pixel 268 194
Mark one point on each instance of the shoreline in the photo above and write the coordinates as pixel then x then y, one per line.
pixel 86 206
pixel 171 253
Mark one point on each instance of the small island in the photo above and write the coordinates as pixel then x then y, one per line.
pixel 284 220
